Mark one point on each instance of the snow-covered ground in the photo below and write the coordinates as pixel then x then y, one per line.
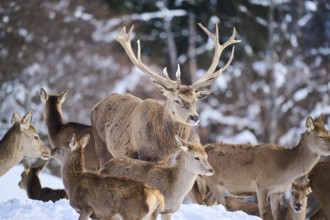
pixel 15 205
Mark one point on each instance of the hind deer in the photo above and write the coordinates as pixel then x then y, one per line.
pixel 103 197
pixel 59 132
pixel 30 182
pixel 145 129
pixel 19 141
pixel 173 180
pixel 319 178
pixel 295 211
pixel 267 170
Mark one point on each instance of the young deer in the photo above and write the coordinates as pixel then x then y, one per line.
pixel 145 129
pixel 173 180
pixel 319 179
pixel 101 197
pixel 19 141
pixel 295 211
pixel 30 182
pixel 267 170
pixel 59 132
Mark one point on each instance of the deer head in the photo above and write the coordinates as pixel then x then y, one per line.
pixel 30 175
pixel 195 155
pixel 299 194
pixel 319 136
pixel 181 99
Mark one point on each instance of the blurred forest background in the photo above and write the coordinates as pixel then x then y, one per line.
pixel 279 74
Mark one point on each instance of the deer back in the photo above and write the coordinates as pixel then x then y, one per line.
pixel 19 141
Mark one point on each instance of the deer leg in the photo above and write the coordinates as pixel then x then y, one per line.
pixel 218 192
pixel 101 149
pixel 166 216
pixel 275 200
pixel 85 214
pixel 263 204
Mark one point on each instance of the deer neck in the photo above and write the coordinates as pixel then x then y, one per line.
pixel 185 179
pixel 180 129
pixel 10 149
pixel 34 187
pixel 301 159
pixel 53 120
pixel 72 169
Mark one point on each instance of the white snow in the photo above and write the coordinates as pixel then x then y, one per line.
pixel 15 205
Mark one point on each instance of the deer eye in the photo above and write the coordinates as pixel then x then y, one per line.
pixel 196 158
pixel 36 137
pixel 177 101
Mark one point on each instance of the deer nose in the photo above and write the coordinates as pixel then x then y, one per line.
pixel 297 206
pixel 194 118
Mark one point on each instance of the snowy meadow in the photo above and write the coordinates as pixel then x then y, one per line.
pixel 15 205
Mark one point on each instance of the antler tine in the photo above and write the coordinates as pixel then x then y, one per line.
pixel 210 75
pixel 125 40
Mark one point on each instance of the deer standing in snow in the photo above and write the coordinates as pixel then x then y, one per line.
pixel 103 197
pixel 59 132
pixel 173 180
pixel 145 129
pixel 295 211
pixel 19 141
pixel 267 170
pixel 30 182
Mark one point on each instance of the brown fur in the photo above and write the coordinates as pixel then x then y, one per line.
pixel 19 141
pixel 145 129
pixel 319 180
pixel 59 132
pixel 30 182
pixel 295 211
pixel 267 170
pixel 93 195
pixel 173 180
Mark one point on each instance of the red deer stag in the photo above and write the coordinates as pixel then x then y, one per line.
pixel 267 170
pixel 173 180
pixel 104 197
pixel 30 182
pixel 145 129
pixel 319 180
pixel 59 132
pixel 19 141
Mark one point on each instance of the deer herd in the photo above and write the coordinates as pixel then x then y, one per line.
pixel 139 159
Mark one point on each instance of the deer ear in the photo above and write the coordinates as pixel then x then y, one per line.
pixel 321 119
pixel 181 143
pixel 25 164
pixel 62 96
pixel 15 118
pixel 26 121
pixel 84 140
pixel 163 89
pixel 202 93
pixel 43 95
pixel 73 142
pixel 309 124
pixel 195 138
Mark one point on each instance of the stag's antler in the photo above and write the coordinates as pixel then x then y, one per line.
pixel 124 39
pixel 210 75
